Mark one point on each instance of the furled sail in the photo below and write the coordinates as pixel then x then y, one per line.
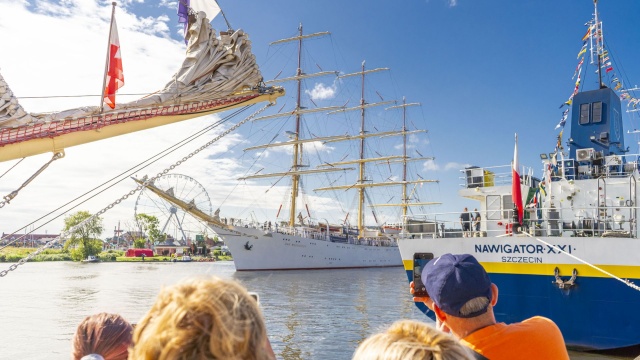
pixel 218 73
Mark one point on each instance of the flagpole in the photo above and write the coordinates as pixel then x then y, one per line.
pixel 106 64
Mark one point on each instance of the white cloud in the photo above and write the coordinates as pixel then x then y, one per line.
pixel 453 3
pixel 400 146
pixel 430 165
pixel 455 166
pixel 322 92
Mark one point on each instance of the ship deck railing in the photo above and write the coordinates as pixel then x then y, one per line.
pixel 605 221
pixel 589 166
pixel 476 176
pixel 316 233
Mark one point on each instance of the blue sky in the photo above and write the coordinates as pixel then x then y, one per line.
pixel 483 70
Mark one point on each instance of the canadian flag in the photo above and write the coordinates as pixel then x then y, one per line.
pixel 115 77
pixel 516 192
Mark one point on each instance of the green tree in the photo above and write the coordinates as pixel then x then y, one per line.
pixel 149 225
pixel 84 238
pixel 139 243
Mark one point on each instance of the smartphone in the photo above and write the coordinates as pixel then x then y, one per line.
pixel 419 262
pixel 255 296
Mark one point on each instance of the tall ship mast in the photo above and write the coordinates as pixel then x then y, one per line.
pixel 363 182
pixel 302 239
pixel 296 142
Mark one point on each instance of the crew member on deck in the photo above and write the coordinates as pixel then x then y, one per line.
pixel 465 221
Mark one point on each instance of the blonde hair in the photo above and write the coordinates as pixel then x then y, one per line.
pixel 411 340
pixel 202 318
pixel 107 335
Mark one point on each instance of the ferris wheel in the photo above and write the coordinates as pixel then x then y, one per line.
pixel 176 223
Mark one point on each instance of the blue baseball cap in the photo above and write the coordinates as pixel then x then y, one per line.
pixel 452 280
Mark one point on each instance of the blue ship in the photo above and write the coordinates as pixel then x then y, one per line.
pixel 567 247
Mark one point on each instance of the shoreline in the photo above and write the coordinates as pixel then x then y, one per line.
pixel 14 254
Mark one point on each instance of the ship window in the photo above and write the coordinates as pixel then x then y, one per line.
pixel 597 112
pixel 507 206
pixel 584 113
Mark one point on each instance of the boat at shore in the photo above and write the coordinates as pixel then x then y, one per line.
pixel 91 259
pixel 564 246
pixel 295 240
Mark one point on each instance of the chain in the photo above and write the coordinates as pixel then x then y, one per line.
pixel 14 193
pixel 147 181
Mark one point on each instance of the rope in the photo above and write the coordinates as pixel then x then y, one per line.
pixel 147 181
pixel 11 168
pixel 14 193
pixel 133 169
pixel 624 281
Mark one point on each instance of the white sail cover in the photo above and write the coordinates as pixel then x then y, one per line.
pixel 214 67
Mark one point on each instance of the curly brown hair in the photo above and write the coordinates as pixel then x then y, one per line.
pixel 202 318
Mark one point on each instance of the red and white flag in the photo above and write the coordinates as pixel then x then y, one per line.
pixel 115 77
pixel 516 192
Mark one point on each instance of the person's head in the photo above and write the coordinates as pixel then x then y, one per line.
pixel 106 335
pixel 475 209
pixel 410 340
pixel 202 318
pixel 465 209
pixel 458 285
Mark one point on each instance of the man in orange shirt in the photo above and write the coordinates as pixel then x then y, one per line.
pixel 463 297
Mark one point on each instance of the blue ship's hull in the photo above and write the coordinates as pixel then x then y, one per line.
pixel 595 314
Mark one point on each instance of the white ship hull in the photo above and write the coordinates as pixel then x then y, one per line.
pixel 256 249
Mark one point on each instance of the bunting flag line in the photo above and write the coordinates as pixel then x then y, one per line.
pixel 115 76
pixel 542 188
pixel 578 68
pixel 582 51
pixel 586 36
pixel 563 120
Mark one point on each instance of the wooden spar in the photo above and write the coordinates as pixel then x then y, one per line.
pixel 54 142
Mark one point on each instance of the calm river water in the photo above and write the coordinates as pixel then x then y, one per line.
pixel 320 314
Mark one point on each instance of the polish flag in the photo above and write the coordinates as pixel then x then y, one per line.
pixel 516 192
pixel 115 77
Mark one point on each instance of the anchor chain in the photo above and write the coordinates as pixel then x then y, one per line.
pixel 14 193
pixel 64 234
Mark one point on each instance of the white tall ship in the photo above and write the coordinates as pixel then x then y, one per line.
pixel 298 239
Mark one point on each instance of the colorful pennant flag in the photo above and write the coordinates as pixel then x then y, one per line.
pixel 563 120
pixel 578 68
pixel 582 51
pixel 586 36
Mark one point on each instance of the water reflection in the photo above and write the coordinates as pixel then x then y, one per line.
pixel 310 314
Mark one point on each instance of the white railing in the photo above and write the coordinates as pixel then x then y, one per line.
pixel 475 176
pixel 620 221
